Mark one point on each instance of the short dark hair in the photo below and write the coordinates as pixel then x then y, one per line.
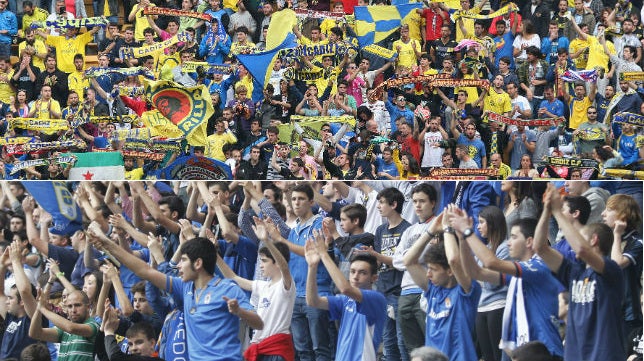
pixel 281 247
pixel 365 257
pixel 532 351
pixel 175 204
pixel 604 235
pixel 200 247
pixel 392 195
pixel 304 188
pixel 355 210
pixel 526 226
pixel 142 327
pixel 435 254
pixel 138 287
pixel 581 204
pixel 427 189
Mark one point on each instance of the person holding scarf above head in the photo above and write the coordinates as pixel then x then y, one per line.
pixel 215 44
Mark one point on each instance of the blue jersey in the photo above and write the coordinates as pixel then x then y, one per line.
pixel 594 328
pixel 297 264
pixel 503 47
pixel 540 289
pixel 240 257
pixel 211 331
pixel 361 325
pixel 475 148
pixel 451 315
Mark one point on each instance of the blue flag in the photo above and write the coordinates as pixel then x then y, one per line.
pixel 192 167
pixel 375 23
pixel 259 65
pixel 55 198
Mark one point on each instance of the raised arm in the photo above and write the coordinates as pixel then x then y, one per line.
pixel 262 234
pixel 313 260
pixel 417 271
pixel 551 257
pixel 140 268
pixel 577 242
pixel 28 205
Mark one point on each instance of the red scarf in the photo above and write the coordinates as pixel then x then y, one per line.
pixel 280 344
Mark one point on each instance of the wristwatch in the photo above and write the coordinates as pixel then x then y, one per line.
pixel 449 230
pixel 468 232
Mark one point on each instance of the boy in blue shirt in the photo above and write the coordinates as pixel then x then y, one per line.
pixel 212 306
pixel 531 304
pixel 360 310
pixel 595 283
pixel 452 295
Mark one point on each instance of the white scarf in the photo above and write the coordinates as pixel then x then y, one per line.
pixel 513 337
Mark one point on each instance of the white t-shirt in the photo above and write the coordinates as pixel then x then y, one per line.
pixel 519 41
pixel 523 104
pixel 274 306
pixel 432 156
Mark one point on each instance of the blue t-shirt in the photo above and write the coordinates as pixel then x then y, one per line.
pixel 15 337
pixel 451 315
pixel 66 258
pixel 556 107
pixel 503 47
pixel 389 168
pixel 210 329
pixel 475 147
pixel 297 264
pixel 540 289
pixel 361 325
pixel 550 48
pixel 240 257
pixel 594 328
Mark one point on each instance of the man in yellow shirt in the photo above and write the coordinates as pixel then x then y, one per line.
pixel 6 89
pixel 215 142
pixel 579 104
pixel 409 50
pixel 31 14
pixel 579 48
pixel 76 80
pixel 242 45
pixel 35 46
pixel 67 46
pixel 496 99
pixel 45 107
pixel 140 21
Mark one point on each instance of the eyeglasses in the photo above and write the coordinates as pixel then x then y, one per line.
pixel 325 129
pixel 351 67
pixel 592 112
pixel 401 99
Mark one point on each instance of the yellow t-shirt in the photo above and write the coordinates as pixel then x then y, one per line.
pixel 497 103
pixel 134 174
pixel 166 64
pixel 6 91
pixel 237 48
pixel 246 81
pixel 581 61
pixel 579 109
pixel 472 94
pixel 596 54
pixel 40 47
pixel 140 22
pixel 414 20
pixel 215 144
pixel 76 82
pixel 406 55
pixel 39 15
pixel 67 48
pixel 42 112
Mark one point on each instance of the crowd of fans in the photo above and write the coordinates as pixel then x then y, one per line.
pixel 531 56
pixel 421 271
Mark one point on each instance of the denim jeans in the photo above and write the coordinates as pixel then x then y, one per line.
pixel 310 330
pixel 392 339
pixel 5 49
